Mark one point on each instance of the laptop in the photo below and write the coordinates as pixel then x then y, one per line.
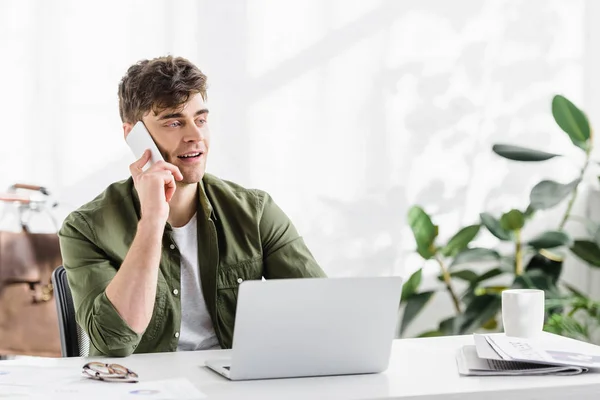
pixel 288 328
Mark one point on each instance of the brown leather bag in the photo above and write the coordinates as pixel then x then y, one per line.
pixel 28 320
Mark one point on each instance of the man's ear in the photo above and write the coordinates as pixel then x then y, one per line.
pixel 127 127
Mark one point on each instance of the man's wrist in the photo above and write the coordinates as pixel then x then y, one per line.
pixel 151 226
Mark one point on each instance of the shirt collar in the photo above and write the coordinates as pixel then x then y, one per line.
pixel 205 208
pixel 204 202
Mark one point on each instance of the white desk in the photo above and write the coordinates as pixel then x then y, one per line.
pixel 419 369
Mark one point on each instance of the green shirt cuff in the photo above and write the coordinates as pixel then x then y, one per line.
pixel 109 332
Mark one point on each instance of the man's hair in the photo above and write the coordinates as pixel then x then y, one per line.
pixel 158 84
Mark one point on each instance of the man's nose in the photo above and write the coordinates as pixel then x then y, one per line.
pixel 194 133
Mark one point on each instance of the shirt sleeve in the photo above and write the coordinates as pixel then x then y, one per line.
pixel 285 254
pixel 89 271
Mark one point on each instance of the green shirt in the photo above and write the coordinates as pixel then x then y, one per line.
pixel 242 234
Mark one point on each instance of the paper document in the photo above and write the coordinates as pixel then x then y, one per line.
pixel 168 389
pixel 68 384
pixel 469 363
pixel 503 355
pixel 517 349
pixel 37 376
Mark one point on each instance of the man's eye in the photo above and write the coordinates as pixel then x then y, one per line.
pixel 200 121
pixel 174 124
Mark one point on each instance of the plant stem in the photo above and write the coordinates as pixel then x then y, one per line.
pixel 518 254
pixel 448 282
pixel 574 195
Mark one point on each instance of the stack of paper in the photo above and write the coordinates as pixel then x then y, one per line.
pixel 503 355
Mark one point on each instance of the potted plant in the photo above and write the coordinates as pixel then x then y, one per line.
pixel 534 262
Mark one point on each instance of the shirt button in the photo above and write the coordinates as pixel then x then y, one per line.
pixel 175 292
pixel 177 334
pixel 172 247
pixel 240 280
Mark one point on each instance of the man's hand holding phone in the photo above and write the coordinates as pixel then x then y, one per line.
pixel 155 187
pixel 133 289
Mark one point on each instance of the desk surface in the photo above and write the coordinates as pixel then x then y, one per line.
pixel 419 368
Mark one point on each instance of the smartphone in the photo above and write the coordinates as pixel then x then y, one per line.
pixel 139 140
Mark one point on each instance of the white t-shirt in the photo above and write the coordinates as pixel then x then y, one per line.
pixel 197 331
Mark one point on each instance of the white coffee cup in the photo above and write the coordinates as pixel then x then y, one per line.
pixel 523 312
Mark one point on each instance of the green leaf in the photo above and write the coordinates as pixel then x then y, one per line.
pixel 493 225
pixel 512 220
pixel 475 254
pixel 568 327
pixel 411 285
pixel 529 212
pixel 492 273
pixel 550 239
pixel 548 194
pixel 536 279
pixel 518 153
pixel 414 305
pixel 461 240
pixel 450 326
pixel 596 237
pixel 571 120
pixel 550 264
pixel 432 333
pixel 464 274
pixel 573 290
pixel 490 290
pixel 491 325
pixel 593 229
pixel 470 293
pixel 587 251
pixel 479 312
pixel 423 230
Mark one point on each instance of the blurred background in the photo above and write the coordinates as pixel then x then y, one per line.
pixel 347 112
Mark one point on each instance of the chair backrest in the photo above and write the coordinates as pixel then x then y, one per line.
pixel 74 342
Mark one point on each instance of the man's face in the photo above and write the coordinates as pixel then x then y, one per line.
pixel 183 137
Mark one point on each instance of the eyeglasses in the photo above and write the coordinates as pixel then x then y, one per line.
pixel 109 372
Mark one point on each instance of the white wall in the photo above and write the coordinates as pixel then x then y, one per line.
pixel 347 112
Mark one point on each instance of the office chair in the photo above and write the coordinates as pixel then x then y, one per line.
pixel 74 342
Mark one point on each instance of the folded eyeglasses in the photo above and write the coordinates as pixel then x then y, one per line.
pixel 109 372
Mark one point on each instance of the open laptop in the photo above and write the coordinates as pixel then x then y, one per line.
pixel 312 327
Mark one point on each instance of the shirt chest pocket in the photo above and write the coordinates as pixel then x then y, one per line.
pixel 231 276
pixel 228 281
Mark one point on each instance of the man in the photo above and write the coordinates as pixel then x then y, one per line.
pixel 155 261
